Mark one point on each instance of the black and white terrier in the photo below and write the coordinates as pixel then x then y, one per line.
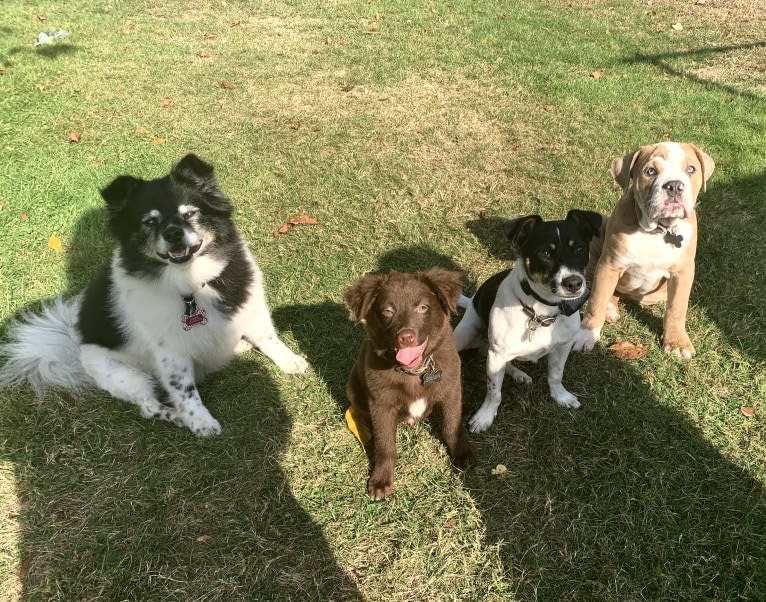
pixel 531 310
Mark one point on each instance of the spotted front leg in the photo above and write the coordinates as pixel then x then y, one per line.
pixel 176 374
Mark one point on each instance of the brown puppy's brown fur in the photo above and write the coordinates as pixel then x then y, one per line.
pixel 402 310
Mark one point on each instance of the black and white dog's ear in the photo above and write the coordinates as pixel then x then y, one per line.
pixel 517 230
pixel 119 191
pixel 588 222
pixel 194 172
pixel 362 294
pixel 447 285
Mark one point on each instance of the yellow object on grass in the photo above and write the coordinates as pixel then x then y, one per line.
pixel 359 426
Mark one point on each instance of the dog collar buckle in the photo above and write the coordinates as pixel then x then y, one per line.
pixel 193 315
pixel 536 321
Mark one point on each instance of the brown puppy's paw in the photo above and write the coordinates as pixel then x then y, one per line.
pixel 380 488
pixel 464 456
pixel 679 345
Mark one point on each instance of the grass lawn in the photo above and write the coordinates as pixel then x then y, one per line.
pixel 408 129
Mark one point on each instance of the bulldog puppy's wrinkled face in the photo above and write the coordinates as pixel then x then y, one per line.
pixel 666 179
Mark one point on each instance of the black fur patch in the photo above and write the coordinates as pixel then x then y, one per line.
pixel 97 324
pixel 484 298
pixel 234 282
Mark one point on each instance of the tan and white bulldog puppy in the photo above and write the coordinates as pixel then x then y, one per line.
pixel 649 241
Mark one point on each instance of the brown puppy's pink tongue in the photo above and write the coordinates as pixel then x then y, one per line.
pixel 410 357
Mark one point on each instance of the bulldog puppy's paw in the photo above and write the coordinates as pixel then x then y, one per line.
pixel 612 312
pixel 586 339
pixel 679 345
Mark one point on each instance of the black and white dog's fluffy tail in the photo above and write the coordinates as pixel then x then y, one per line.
pixel 43 350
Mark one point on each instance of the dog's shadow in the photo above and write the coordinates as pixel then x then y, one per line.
pixel 114 506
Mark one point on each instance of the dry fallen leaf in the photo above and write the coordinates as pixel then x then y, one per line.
pixel 449 523
pixel 97 162
pixel 483 214
pixel 498 470
pixel 39 87
pixel 227 84
pixel 295 125
pixel 208 36
pixel 140 130
pixel 167 101
pixel 627 351
pixel 23 216
pixel 54 242
pixel 747 411
pixel 549 108
pixel 203 55
pixel 74 137
pixel 348 88
pixel 295 221
pixel 597 74
pixel 23 570
pixel 303 219
pixel 42 17
pixel 157 140
pixel 677 26
pixel 203 539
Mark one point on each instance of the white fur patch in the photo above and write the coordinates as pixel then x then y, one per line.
pixel 417 408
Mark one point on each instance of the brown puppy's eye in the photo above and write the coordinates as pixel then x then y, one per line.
pixel 388 311
pixel 422 308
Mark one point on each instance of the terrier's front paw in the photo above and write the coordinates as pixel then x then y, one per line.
pixel 294 365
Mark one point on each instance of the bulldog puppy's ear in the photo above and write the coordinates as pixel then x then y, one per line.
pixel 588 222
pixel 517 230
pixel 362 294
pixel 194 172
pixel 117 193
pixel 622 167
pixel 708 165
pixel 447 285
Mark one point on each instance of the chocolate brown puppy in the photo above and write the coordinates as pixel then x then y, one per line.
pixel 408 364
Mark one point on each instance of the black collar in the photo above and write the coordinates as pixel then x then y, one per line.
pixel 427 371
pixel 566 307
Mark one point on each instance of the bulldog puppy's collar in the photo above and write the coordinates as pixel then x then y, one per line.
pixel 669 233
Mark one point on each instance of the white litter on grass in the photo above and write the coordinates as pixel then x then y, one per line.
pixel 46 37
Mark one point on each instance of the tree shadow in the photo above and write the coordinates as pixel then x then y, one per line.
pixel 113 506
pixel 662 61
pixel 622 499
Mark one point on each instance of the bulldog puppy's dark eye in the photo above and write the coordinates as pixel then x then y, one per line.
pixel 150 221
pixel 691 169
pixel 387 311
pixel 651 172
pixel 422 308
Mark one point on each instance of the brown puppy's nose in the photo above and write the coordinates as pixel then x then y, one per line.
pixel 674 187
pixel 406 337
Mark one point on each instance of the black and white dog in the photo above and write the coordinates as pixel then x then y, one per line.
pixel 531 310
pixel 181 296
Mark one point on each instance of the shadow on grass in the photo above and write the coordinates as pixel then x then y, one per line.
pixel 662 61
pixel 112 506
pixel 622 500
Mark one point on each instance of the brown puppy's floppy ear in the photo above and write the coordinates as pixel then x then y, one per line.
pixel 589 222
pixel 447 285
pixel 517 230
pixel 361 295
pixel 708 165
pixel 622 167
pixel 116 194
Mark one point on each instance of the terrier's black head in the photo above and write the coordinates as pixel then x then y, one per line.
pixel 555 253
